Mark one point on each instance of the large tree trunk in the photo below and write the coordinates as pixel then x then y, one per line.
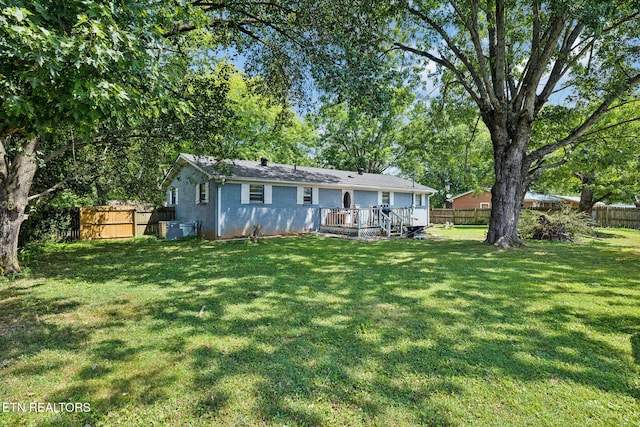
pixel 586 194
pixel 16 176
pixel 507 193
pixel 586 199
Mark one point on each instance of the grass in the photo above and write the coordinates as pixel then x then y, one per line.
pixel 314 331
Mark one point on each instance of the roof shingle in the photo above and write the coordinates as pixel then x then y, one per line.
pixel 246 170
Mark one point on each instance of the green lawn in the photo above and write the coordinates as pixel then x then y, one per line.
pixel 319 332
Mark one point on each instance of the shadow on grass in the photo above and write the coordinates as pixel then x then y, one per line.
pixel 635 347
pixel 24 329
pixel 302 331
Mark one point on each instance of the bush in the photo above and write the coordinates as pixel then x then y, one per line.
pixel 561 225
pixel 50 224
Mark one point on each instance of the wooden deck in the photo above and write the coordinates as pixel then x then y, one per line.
pixel 365 223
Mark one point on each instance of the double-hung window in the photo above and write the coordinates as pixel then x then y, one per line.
pixel 256 193
pixel 386 198
pixel 307 196
pixel 202 193
pixel 172 197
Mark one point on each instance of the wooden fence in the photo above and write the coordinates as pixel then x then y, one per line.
pixel 460 216
pixel 147 220
pixel 604 216
pixel 121 222
pixel 611 216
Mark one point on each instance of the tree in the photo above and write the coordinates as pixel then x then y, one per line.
pixel 447 147
pixel 79 66
pixel 228 116
pixel 510 58
pixel 354 136
pixel 604 162
pixel 66 65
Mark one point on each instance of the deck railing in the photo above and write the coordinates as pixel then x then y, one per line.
pixel 375 217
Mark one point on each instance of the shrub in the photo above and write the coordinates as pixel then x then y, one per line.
pixel 50 224
pixel 562 225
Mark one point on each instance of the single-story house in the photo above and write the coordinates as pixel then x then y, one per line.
pixel 482 200
pixel 230 198
pixel 574 201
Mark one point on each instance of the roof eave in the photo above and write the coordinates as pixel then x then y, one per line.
pixel 429 191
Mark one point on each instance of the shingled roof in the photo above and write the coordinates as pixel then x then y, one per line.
pixel 246 170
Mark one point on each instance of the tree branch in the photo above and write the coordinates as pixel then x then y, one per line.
pixel 482 89
pixel 536 65
pixel 445 63
pixel 590 121
pixel 539 168
pixel 472 27
pixel 498 62
pixel 49 190
pixel 564 62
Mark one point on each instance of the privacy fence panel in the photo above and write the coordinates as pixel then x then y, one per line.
pixel 460 216
pixel 107 222
pixel 604 216
pixel 121 222
pixel 147 220
pixel 611 216
pixel 441 216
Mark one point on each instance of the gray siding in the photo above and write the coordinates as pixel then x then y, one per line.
pixel 282 216
pixel 187 210
pixel 330 198
pixel 402 200
pixel 365 199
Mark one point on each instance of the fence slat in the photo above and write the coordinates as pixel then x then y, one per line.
pixel 604 216
pixel 614 216
pixel 119 222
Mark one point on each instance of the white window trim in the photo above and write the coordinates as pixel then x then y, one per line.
pixel 486 205
pixel 300 194
pixel 244 194
pixel 391 198
pixel 169 198
pixel 206 193
pixel 267 194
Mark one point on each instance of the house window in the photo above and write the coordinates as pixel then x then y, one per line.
pixel 484 205
pixel 172 198
pixel 256 193
pixel 307 196
pixel 386 198
pixel 202 193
